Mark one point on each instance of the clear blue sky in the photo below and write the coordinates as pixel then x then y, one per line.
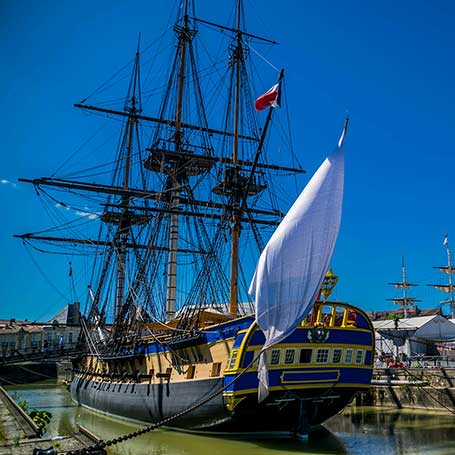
pixel 389 64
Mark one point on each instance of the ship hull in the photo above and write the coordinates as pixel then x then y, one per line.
pixel 209 382
pixel 282 415
pixel 152 402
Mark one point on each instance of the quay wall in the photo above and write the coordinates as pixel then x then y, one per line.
pixel 37 371
pixel 412 388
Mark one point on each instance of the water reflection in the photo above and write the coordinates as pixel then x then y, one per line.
pixel 357 431
pixel 392 431
pixel 171 442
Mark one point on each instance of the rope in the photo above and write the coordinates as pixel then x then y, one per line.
pixel 36 372
pixel 452 411
pixel 43 274
pixel 8 381
pixel 89 339
pixel 134 434
pixel 263 58
pixel 412 375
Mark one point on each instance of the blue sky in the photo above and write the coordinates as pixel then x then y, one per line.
pixel 389 64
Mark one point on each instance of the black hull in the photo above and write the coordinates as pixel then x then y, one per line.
pixel 281 413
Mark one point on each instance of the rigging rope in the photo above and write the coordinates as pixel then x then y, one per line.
pixel 414 376
pixel 45 277
pixel 263 58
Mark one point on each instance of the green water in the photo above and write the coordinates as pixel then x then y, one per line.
pixel 359 431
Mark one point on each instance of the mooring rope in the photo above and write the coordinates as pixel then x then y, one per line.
pixel 452 411
pixel 101 445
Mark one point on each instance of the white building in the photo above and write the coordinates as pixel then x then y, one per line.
pixel 413 336
pixel 23 337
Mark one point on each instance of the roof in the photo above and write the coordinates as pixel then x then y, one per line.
pixel 435 328
pixel 68 315
pixel 11 326
pixel 404 323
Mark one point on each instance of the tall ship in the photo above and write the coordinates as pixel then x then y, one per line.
pixel 169 230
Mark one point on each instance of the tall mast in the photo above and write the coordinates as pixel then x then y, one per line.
pixel 405 301
pixel 450 287
pixel 124 222
pixel 174 179
pixel 236 225
pixel 450 271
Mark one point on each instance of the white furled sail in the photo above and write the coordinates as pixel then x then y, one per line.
pixel 293 264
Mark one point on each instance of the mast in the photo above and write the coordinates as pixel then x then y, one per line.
pixel 238 183
pixel 145 221
pixel 405 301
pixel 450 287
pixel 174 179
pixel 123 227
pixel 450 271
pixel 236 225
pixel 124 223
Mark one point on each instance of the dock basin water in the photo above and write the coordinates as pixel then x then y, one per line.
pixel 356 431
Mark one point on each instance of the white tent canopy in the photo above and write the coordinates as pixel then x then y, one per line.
pixel 413 335
pixel 435 328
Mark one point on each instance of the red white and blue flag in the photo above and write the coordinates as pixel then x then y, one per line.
pixel 271 98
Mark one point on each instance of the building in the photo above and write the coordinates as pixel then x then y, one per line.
pixel 419 336
pixel 25 337
pixel 413 311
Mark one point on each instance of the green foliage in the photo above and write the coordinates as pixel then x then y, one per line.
pixel 41 418
pixel 24 405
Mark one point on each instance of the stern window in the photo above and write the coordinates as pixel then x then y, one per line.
pixel 232 360
pixel 337 355
pixel 289 356
pixel 348 356
pixel 359 357
pixel 275 357
pixel 306 355
pixel 322 356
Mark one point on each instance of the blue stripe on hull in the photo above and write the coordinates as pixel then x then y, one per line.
pixel 344 336
pixel 342 376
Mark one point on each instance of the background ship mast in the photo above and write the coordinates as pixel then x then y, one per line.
pixel 405 301
pixel 450 287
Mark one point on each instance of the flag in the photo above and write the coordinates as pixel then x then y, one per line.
pixel 446 240
pixel 270 98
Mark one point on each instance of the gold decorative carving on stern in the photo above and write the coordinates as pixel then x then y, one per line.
pixel 232 401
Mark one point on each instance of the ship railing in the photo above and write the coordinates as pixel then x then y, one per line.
pixel 335 314
pixel 418 361
pixel 36 353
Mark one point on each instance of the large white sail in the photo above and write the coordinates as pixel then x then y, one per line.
pixel 294 262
